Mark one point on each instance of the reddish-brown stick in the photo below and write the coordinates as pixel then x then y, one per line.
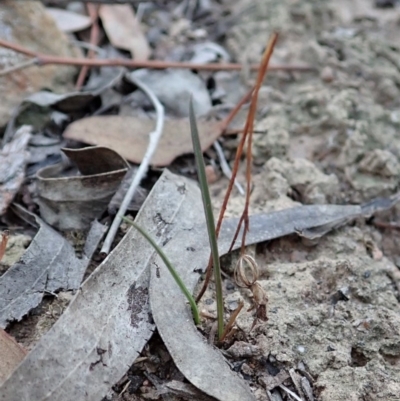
pixel 248 133
pixel 93 11
pixel 45 59
pixel 248 128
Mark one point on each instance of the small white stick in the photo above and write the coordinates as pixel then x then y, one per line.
pixel 290 392
pixel 225 166
pixel 154 138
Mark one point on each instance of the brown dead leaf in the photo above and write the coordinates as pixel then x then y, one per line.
pixel 71 201
pixel 11 354
pixel 123 30
pixel 129 136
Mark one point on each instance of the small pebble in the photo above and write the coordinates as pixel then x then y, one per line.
pixel 211 174
pixel 327 74
pixel 229 286
pixel 232 305
pixel 301 349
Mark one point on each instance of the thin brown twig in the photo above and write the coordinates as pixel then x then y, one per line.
pixel 93 11
pixel 248 128
pixel 232 320
pixel 225 123
pixel 382 224
pixel 45 59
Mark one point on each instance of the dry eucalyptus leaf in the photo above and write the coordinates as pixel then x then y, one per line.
pixel 68 21
pixel 13 160
pixel 48 264
pixel 73 202
pixel 188 249
pixel 129 136
pixel 11 354
pixel 123 30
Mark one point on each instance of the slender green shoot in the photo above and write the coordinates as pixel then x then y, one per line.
pixel 205 194
pixel 171 269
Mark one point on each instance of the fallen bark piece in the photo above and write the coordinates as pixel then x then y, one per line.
pixel 11 354
pixel 48 264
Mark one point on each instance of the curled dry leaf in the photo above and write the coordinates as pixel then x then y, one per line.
pixel 73 202
pixel 66 103
pixel 123 30
pixel 13 160
pixel 48 264
pixel 247 278
pixel 128 136
pixel 241 276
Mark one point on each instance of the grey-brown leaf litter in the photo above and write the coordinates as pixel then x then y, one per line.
pixel 90 330
pixel 49 264
pixel 328 137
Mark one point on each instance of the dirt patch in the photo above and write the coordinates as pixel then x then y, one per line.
pixel 333 308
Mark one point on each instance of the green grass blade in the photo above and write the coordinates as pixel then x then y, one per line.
pixel 205 193
pixel 171 269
